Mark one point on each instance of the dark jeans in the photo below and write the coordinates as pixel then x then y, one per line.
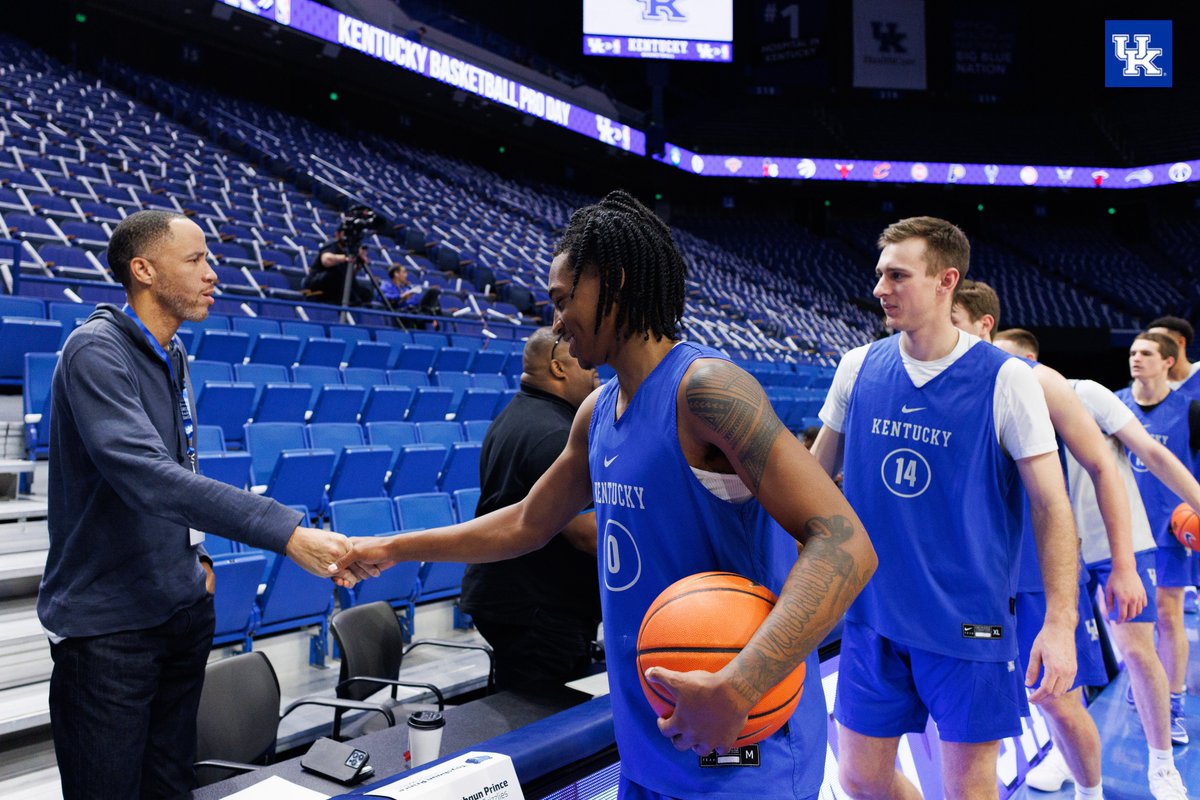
pixel 539 647
pixel 123 708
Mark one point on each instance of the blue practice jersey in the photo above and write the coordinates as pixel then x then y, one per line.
pixel 1168 423
pixel 1191 386
pixel 941 501
pixel 658 524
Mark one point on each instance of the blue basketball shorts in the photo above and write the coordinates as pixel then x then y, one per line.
pixel 887 689
pixel 1031 612
pixel 1147 567
pixel 1175 565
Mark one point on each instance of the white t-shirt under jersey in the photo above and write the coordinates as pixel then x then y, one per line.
pixel 1176 384
pixel 1023 425
pixel 1111 415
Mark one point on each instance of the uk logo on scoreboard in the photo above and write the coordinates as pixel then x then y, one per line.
pixel 1137 54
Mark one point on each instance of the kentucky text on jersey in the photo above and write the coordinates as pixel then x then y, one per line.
pixel 608 493
pixel 910 430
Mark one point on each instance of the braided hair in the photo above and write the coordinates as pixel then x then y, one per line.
pixel 622 240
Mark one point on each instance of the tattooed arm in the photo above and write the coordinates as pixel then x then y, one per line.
pixel 726 420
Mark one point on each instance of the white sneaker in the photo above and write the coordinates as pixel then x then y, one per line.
pixel 1050 773
pixel 1167 784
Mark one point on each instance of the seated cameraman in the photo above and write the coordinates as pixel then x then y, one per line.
pixel 326 279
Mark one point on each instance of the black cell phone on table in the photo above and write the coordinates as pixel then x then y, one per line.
pixel 338 761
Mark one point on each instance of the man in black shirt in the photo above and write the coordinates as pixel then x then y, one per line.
pixel 326 277
pixel 539 612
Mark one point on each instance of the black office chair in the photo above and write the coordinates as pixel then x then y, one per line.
pixel 239 717
pixel 372 649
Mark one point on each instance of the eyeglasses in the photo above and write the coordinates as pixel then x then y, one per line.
pixel 552 349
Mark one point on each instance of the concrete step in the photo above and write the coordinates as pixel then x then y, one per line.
pixel 24 507
pixel 22 536
pixel 24 650
pixel 24 707
pixel 20 573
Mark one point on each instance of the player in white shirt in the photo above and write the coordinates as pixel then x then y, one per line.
pixel 1134 637
pixel 976 310
pixel 911 649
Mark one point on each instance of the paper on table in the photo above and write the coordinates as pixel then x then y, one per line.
pixel 595 685
pixel 276 788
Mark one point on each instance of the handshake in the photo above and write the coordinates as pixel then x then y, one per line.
pixel 331 555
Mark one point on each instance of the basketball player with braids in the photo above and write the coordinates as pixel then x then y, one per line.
pixel 936 432
pixel 689 470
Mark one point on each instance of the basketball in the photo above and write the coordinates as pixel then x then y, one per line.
pixel 702 622
pixel 1186 526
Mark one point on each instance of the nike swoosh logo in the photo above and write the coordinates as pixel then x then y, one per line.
pixel 907 410
pixel 608 461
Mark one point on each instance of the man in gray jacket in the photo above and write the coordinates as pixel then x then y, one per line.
pixel 126 597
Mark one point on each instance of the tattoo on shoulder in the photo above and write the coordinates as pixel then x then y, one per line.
pixel 731 402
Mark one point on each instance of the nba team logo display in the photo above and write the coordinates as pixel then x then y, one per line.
pixel 1137 54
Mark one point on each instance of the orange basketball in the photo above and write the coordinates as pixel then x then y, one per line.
pixel 1186 526
pixel 702 622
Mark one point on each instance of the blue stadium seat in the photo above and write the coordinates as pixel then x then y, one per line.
pixel 282 402
pixel 273 348
pixel 219 545
pixel 374 355
pixel 476 429
pixel 457 382
pixel 227 405
pixel 35 401
pixel 322 352
pixel 30 307
pixel 478 404
pixel 461 468
pixel 364 376
pixel 317 377
pixel 385 404
pixel 201 372
pixel 265 441
pixel 451 359
pixel 417 357
pixel 393 339
pixel 21 335
pixel 294 599
pixel 430 404
pixel 337 403
pixel 359 471
pixel 335 435
pixel 407 377
pixel 299 478
pixel 210 439
pixel 396 586
pixel 255 326
pixel 426 510
pixel 465 503
pixel 490 381
pixel 441 432
pixel 439 580
pixel 394 434
pixel 228 467
pixel 237 578
pixel 416 469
